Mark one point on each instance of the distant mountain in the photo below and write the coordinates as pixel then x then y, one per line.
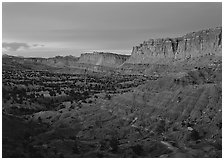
pixel 10 56
pixel 57 61
pixel 161 55
pixel 96 61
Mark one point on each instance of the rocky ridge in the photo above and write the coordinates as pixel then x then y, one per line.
pixel 57 61
pixel 89 61
pixel 162 51
pixel 103 59
pixel 165 51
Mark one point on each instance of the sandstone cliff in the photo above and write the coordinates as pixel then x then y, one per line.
pixel 57 61
pixel 195 44
pixel 103 59
pixel 96 62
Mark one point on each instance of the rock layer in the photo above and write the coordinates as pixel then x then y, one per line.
pixel 103 59
pixel 57 61
pixel 195 44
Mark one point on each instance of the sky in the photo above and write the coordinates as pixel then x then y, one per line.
pixel 71 28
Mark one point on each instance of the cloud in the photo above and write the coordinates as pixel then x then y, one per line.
pixel 16 46
pixel 38 45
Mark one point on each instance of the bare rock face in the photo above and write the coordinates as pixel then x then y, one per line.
pixel 195 44
pixel 103 59
pixel 57 61
pixel 60 61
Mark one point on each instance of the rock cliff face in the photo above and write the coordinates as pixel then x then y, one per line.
pixel 97 62
pixel 38 63
pixel 103 59
pixel 195 44
pixel 57 61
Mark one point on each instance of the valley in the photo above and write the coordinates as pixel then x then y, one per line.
pixel 161 101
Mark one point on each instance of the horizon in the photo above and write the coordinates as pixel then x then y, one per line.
pixel 5 54
pixel 63 29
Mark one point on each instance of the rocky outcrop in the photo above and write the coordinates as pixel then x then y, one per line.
pixel 95 59
pixel 103 59
pixel 96 62
pixel 195 44
pixel 58 61
pixel 154 51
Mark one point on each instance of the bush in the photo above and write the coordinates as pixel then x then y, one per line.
pixel 160 128
pixel 114 144
pixel 138 149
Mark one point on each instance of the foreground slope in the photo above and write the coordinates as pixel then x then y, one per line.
pixel 174 116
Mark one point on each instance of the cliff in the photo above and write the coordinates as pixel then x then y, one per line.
pixel 97 62
pixel 189 47
pixel 195 44
pixel 103 59
pixel 59 61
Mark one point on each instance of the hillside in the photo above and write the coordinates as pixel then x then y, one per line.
pixel 173 116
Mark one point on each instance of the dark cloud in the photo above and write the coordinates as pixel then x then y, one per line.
pixel 38 45
pixel 15 46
